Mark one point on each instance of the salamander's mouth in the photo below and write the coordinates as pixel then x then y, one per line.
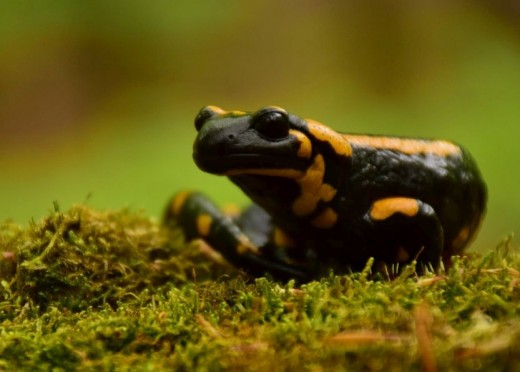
pixel 236 164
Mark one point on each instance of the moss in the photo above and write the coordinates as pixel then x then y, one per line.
pixel 115 290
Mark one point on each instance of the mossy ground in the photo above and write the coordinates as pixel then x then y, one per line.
pixel 84 290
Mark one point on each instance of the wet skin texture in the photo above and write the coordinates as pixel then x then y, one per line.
pixel 325 200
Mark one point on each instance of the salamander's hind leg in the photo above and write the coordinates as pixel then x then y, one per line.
pixel 406 229
pixel 200 218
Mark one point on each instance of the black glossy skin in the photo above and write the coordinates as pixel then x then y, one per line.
pixel 430 193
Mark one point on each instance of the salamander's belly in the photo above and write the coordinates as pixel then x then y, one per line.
pixel 329 200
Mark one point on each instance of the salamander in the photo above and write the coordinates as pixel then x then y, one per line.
pixel 326 200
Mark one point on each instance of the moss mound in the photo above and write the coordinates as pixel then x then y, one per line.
pixel 115 290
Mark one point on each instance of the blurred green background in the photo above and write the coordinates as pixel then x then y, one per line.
pixel 97 98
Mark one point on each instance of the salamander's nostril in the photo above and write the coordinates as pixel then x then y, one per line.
pixel 231 137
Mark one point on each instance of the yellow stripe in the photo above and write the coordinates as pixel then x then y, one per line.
pixel 312 188
pixel 405 145
pixel 305 149
pixel 325 134
pixel 284 172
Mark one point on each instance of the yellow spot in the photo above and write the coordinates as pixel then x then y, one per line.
pixel 204 222
pixel 277 108
pixel 236 113
pixel 461 238
pixel 281 239
pixel 178 201
pixel 327 192
pixel 231 210
pixel 216 110
pixel 275 172
pixel 384 208
pixel 246 246
pixel 325 219
pixel 405 145
pixel 305 149
pixel 312 188
pixel 325 134
pixel 402 255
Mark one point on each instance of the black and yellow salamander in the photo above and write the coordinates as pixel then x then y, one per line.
pixel 325 200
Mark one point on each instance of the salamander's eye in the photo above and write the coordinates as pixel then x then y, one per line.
pixel 272 124
pixel 205 114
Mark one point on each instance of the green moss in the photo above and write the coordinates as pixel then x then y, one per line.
pixel 115 290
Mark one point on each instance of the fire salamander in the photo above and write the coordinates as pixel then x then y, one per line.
pixel 325 200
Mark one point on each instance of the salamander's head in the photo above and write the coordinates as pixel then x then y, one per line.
pixel 267 142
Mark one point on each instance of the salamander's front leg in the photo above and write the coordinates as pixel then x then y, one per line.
pixel 406 229
pixel 200 218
